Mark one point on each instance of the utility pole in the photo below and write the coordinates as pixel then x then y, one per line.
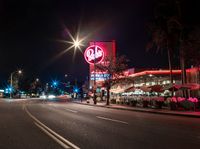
pixel 11 84
pixel 11 81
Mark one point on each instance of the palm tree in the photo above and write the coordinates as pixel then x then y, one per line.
pixel 165 32
pixel 170 33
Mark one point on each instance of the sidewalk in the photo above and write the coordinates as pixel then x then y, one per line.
pixel 194 114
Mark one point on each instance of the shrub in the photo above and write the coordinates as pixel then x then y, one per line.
pixel 145 103
pixel 173 105
pixel 159 104
pixel 187 105
pixel 113 101
pixel 133 103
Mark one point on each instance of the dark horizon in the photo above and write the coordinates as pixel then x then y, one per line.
pixel 30 34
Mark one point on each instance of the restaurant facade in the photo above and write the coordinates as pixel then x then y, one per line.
pixel 143 81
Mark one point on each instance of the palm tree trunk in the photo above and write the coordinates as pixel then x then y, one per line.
pixel 183 72
pixel 170 68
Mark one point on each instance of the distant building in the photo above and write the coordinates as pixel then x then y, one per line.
pixel 1 93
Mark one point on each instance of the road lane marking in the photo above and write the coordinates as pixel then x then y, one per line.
pixel 113 120
pixel 52 136
pixel 73 111
pixel 51 131
pixel 23 107
pixel 67 109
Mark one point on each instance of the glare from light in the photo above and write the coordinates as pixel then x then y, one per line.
pixel 55 83
pixel 76 43
pixel 150 75
pixel 43 97
pixel 19 71
pixel 51 96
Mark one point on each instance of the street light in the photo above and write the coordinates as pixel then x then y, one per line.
pixel 77 43
pixel 55 83
pixel 11 80
pixel 37 79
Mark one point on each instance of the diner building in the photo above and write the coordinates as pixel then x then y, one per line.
pixel 141 81
pixel 158 82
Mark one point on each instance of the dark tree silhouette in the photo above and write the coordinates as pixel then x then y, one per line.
pixel 115 67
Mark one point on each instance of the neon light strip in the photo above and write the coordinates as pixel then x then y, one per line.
pixel 155 72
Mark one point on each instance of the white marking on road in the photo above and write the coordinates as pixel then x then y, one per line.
pixel 52 136
pixel 72 110
pixel 50 104
pixel 23 107
pixel 113 120
pixel 67 109
pixel 51 131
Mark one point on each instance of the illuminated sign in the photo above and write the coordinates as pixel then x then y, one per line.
pixel 99 77
pixel 94 54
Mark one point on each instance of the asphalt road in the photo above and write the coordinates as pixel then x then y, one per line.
pixel 46 125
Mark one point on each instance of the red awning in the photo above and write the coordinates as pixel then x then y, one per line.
pixel 130 89
pixel 156 88
pixel 145 88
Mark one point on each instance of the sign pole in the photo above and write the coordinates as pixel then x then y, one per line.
pixel 94 54
pixel 95 99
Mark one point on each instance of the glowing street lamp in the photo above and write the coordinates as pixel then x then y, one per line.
pixel 55 83
pixel 11 80
pixel 75 43
pixel 19 72
pixel 37 79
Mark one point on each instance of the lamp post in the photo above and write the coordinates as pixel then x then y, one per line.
pixel 11 80
pixel 95 99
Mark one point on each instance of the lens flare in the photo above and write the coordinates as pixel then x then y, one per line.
pixel 76 43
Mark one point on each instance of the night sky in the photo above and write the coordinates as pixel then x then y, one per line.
pixel 30 34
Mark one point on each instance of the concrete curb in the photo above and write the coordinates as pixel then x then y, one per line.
pixel 141 110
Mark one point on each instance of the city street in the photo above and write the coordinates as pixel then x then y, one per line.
pixel 100 75
pixel 32 124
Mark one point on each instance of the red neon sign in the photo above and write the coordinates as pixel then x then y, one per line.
pixel 94 54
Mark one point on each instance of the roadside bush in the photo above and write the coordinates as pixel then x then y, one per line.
pixel 173 105
pixel 187 105
pixel 133 103
pixel 127 102
pixel 145 103
pixel 159 104
pixel 113 101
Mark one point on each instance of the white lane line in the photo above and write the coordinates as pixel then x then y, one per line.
pixel 52 136
pixel 51 131
pixel 113 120
pixel 71 110
pixel 23 107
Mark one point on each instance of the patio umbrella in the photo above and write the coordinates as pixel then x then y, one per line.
pixel 194 86
pixel 184 87
pixel 130 89
pixel 117 90
pixel 156 88
pixel 171 87
pixel 145 88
